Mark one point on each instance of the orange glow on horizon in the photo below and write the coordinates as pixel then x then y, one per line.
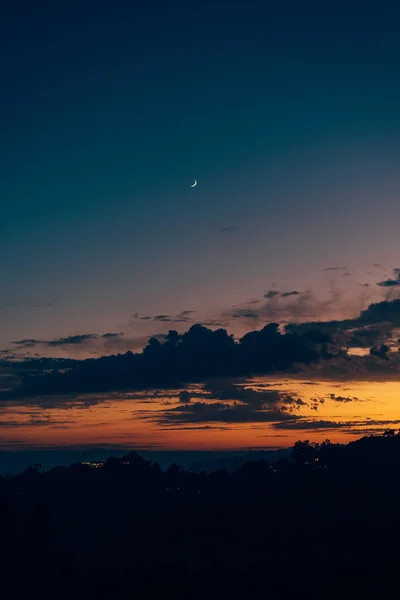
pixel 130 420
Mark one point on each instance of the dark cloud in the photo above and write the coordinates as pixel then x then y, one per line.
pixel 243 313
pixel 317 336
pixel 381 351
pixel 228 390
pixel 366 337
pixel 343 399
pixel 72 339
pixel 39 364
pixel 275 294
pixel 309 424
pixel 292 293
pixel 197 355
pixel 381 312
pixel 373 325
pixel 220 412
pixel 175 360
pixel 345 367
pixel 214 323
pixel 236 404
pixel 196 428
pixel 28 343
pixel 182 317
pixel 112 335
pixel 395 282
pixel 184 397
pixel 348 426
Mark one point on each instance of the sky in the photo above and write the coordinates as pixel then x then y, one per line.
pixel 287 115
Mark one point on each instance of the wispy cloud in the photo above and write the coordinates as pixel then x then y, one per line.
pixel 182 317
pixel 72 340
pixel 230 228
pixel 344 271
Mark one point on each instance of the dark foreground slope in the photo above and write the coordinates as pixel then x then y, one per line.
pixel 324 523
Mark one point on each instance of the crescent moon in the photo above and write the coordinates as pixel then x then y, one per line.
pixel 195 183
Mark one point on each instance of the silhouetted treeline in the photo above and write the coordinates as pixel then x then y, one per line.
pixel 322 522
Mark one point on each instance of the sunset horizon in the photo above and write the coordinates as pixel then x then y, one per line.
pixel 199 299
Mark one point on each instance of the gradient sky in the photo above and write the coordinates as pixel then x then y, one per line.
pixel 288 116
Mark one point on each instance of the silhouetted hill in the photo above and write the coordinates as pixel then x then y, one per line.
pixel 13 462
pixel 232 460
pixel 323 521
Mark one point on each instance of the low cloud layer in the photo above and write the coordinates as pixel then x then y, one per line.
pixel 352 427
pixel 72 340
pixel 198 354
pixel 231 403
pixel 173 360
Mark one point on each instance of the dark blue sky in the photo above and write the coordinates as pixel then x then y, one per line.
pixel 288 116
